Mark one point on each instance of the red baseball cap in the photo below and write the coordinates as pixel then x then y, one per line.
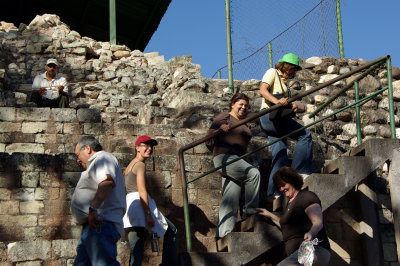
pixel 146 139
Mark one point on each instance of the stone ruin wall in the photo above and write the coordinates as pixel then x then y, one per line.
pixel 170 101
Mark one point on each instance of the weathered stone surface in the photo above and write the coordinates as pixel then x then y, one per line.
pixel 10 127
pixel 350 129
pixel 25 147
pixel 7 114
pixel 33 114
pixel 88 115
pixel 29 250
pixel 62 248
pixel 31 207
pixel 34 127
pixel 30 179
pixel 64 114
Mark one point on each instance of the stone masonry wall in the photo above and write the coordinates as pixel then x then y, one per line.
pixel 169 101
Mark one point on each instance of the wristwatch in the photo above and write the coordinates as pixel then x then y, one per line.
pixel 92 209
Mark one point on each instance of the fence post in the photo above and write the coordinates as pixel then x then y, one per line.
pixel 270 55
pixel 339 29
pixel 390 97
pixel 219 74
pixel 229 45
pixel 358 117
pixel 113 22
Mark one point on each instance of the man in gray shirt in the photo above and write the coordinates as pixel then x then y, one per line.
pixel 98 203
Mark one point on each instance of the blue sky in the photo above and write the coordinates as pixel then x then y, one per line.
pixel 370 30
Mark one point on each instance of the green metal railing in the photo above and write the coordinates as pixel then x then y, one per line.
pixel 359 102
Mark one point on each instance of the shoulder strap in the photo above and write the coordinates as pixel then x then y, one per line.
pixel 287 88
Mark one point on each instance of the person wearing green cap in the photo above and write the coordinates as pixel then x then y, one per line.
pixel 274 90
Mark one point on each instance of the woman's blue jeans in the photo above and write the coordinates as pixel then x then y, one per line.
pixel 302 156
pixel 136 237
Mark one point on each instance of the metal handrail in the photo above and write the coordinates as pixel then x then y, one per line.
pixel 274 107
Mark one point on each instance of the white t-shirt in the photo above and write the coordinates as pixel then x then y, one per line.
pixel 272 79
pixel 41 81
pixel 114 206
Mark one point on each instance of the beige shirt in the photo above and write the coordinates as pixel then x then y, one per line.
pixel 271 78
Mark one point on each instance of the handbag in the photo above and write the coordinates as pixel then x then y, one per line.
pixel 283 112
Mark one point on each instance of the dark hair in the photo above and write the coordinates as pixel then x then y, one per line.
pixel 283 67
pixel 90 141
pixel 237 97
pixel 289 175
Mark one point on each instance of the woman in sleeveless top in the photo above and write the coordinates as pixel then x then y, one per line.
pixel 142 212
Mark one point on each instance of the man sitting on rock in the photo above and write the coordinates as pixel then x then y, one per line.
pixel 49 89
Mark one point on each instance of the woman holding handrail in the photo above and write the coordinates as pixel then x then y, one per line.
pixel 229 145
pixel 278 123
pixel 301 221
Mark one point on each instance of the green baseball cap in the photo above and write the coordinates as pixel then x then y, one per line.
pixel 291 58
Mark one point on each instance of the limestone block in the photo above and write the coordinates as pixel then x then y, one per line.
pixel 24 194
pixel 29 263
pixel 5 194
pixel 313 60
pixel 64 114
pixel 71 178
pixel 97 129
pixel 18 220
pixel 9 207
pixel 30 161
pixel 328 77
pixel 89 115
pixel 2 147
pixel 79 51
pixel 30 179
pixel 34 127
pixel 31 207
pixel 55 220
pixel 320 99
pixel 332 69
pixel 42 194
pixel 369 130
pixel 62 248
pixel 350 129
pixel 72 128
pixel 10 127
pixel 29 250
pixel 121 54
pixel 25 147
pixel 7 114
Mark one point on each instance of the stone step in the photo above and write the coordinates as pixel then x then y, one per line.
pixel 239 248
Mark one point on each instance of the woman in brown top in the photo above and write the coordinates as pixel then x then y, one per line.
pixel 301 220
pixel 142 212
pixel 228 146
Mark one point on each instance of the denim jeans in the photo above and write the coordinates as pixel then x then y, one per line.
pixel 97 247
pixel 238 174
pixel 302 156
pixel 136 244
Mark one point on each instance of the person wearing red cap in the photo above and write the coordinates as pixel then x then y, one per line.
pixel 142 212
pixel 49 88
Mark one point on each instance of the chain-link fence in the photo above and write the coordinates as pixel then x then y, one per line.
pixel 306 28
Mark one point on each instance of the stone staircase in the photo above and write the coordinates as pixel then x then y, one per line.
pixel 260 243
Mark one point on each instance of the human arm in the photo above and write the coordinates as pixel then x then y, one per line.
pixel 62 87
pixel 274 218
pixel 314 213
pixel 139 170
pixel 103 191
pixel 36 86
pixel 264 91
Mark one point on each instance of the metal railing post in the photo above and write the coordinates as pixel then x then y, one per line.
pixel 229 45
pixel 390 97
pixel 271 64
pixel 339 29
pixel 358 119
pixel 219 74
pixel 113 22
pixel 185 202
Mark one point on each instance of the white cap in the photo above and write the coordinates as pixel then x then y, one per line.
pixel 52 61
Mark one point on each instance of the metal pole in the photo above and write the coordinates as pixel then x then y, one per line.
pixel 229 45
pixel 339 28
pixel 271 64
pixel 219 74
pixel 113 23
pixel 185 201
pixel 358 118
pixel 390 97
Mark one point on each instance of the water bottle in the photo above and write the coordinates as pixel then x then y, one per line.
pixel 154 243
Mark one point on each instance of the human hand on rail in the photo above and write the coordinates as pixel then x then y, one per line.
pixel 283 101
pixel 225 127
pixel 294 107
